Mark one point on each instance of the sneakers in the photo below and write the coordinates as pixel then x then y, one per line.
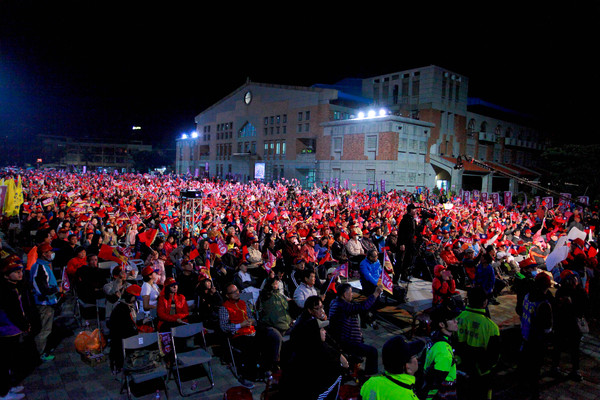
pixel 47 357
pixel 13 396
pixel 246 383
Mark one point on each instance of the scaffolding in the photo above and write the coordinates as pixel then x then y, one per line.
pixel 191 211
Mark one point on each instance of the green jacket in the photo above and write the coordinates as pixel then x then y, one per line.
pixel 381 387
pixel 273 312
pixel 440 366
pixel 478 342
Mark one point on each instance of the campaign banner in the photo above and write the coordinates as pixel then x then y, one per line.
pixel 382 185
pixel 584 200
pixel 549 202
pixel 337 183
pixel 537 202
pixel 495 198
pixel 466 197
pixel 507 198
pixel 476 195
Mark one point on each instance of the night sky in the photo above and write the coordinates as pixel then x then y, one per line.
pixel 81 69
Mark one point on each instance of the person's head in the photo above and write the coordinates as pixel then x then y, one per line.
pixel 568 279
pixel 527 232
pixel 80 251
pixel 73 239
pixel 131 293
pixel 372 255
pixel 187 267
pixel 401 357
pixel 477 297
pixel 171 286
pixel 12 268
pixel 314 306
pixel 309 277
pixel 244 266
pixel 543 281
pixel 443 318
pixel 45 252
pixel 149 274
pixel 299 264
pixel 232 292
pixel 469 253
pixel 411 209
pixel 344 291
pixel 119 273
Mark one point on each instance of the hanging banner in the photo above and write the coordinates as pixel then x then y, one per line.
pixel 507 198
pixel 548 202
pixel 337 183
pixel 584 200
pixel 382 185
pixel 495 198
pixel 476 195
pixel 484 197
pixel 537 202
pixel 466 197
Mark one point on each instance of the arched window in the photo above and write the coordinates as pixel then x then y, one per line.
pixel 483 127
pixel 509 132
pixel 247 130
pixel 498 131
pixel 471 126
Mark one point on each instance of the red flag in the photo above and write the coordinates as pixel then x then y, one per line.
pixel 65 284
pixel 270 262
pixel 325 259
pixel 387 263
pixel 110 253
pixel 31 257
pixel 342 270
pixel 147 237
pixel 218 248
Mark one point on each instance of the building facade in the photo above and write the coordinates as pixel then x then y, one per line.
pixel 319 135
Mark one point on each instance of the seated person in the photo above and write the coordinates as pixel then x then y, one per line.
pixel 345 326
pixel 122 325
pixel 246 282
pixel 171 308
pixel 115 288
pixel 188 280
pixel 235 320
pixel 76 262
pixel 209 301
pixel 306 288
pixel 370 271
pixel 150 290
pixel 89 280
pixel 443 285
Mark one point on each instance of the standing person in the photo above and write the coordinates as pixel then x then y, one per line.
pixel 400 364
pixel 536 327
pixel 485 277
pixel 440 364
pixel 478 345
pixel 571 302
pixel 45 290
pixel 345 325
pixel 405 253
pixel 13 324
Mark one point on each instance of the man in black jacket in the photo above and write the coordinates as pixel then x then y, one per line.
pixel 406 249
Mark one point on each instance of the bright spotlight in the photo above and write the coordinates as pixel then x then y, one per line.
pixel 382 112
pixel 184 136
pixel 361 115
pixel 194 135
pixel 371 114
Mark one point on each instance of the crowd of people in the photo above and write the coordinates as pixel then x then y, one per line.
pixel 267 265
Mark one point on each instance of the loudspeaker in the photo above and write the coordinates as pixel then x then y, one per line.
pixel 191 194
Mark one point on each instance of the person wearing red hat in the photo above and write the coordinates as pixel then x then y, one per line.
pixel 45 290
pixel 171 307
pixel 122 324
pixel 14 321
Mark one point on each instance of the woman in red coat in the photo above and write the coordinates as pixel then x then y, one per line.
pixel 172 308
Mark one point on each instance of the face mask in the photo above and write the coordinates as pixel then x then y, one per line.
pixel 110 230
pixel 52 256
pixel 204 235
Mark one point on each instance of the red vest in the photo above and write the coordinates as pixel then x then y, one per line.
pixel 237 315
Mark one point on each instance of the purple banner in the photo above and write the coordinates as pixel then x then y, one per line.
pixel 507 199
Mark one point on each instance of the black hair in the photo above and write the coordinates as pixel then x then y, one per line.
pixel 341 289
pixel 476 297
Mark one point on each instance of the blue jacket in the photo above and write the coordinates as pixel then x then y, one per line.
pixel 44 283
pixel 485 277
pixel 370 272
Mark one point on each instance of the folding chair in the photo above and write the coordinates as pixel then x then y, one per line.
pixel 137 376
pixel 196 356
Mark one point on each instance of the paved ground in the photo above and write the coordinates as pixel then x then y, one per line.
pixel 68 377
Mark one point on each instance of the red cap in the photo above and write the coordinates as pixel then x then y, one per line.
pixel 147 271
pixel 134 290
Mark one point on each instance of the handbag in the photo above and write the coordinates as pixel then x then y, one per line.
pixel 582 325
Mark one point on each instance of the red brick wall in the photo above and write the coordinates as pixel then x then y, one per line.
pixel 354 147
pixel 388 146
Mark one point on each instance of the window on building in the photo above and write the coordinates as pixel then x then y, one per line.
pixel 247 130
pixel 371 143
pixel 300 116
pixel 306 127
pixel 483 127
pixel 307 116
pixel 337 144
pixel 283 149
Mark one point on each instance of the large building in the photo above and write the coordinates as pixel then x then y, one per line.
pixel 401 130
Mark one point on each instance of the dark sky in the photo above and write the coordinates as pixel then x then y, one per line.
pixel 75 68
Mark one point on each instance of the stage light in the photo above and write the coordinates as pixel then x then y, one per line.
pixel 361 115
pixel 371 114
pixel 184 136
pixel 382 112
pixel 194 135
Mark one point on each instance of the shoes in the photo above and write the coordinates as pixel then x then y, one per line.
pixel 246 383
pixel 13 396
pixel 575 376
pixel 47 357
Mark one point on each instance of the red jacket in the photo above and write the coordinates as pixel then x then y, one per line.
pixel 164 307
